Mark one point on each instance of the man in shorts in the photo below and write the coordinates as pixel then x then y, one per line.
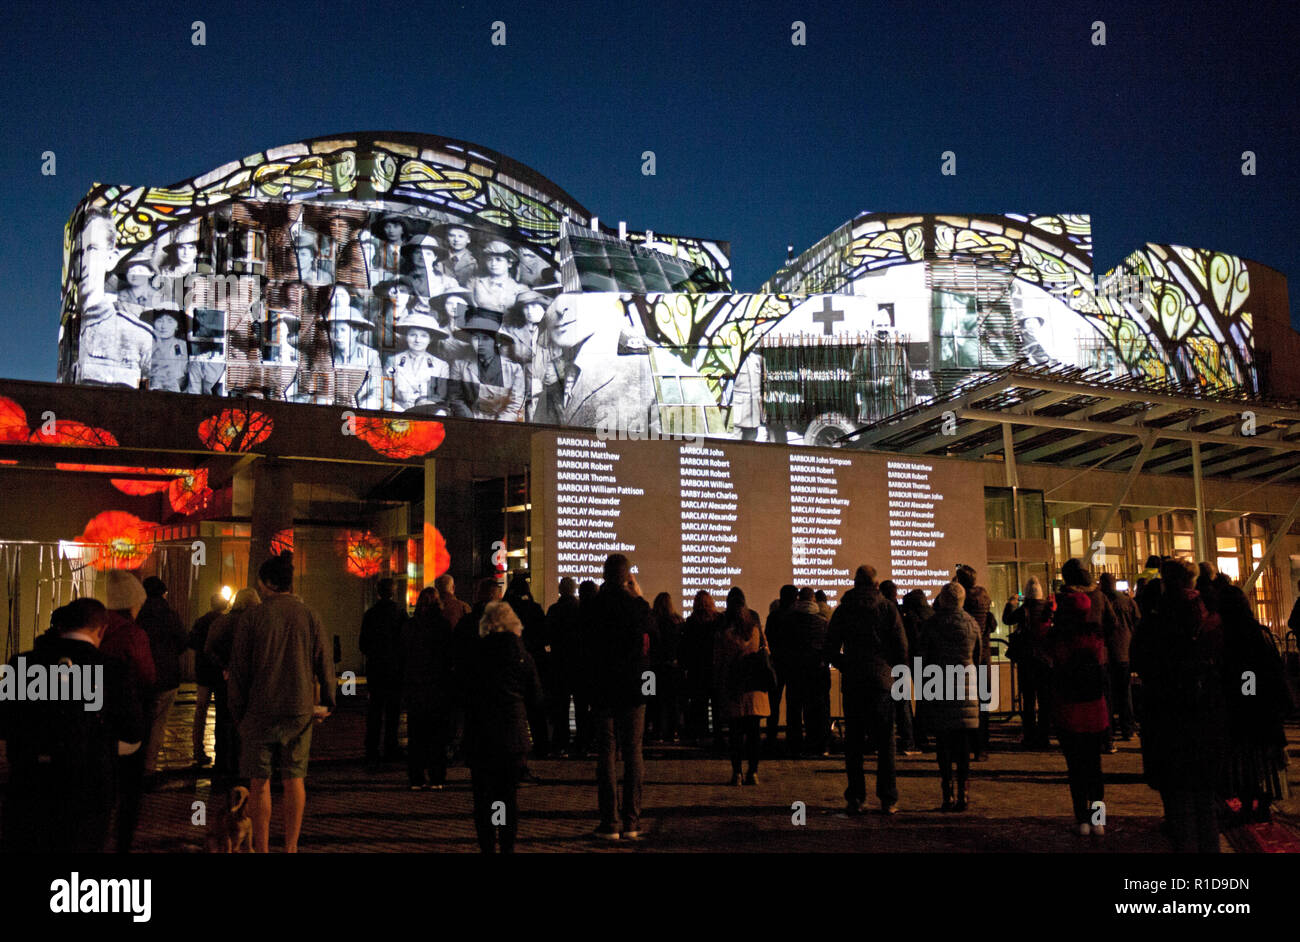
pixel 278 671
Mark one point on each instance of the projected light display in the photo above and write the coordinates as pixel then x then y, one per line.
pixel 807 518
pixel 417 275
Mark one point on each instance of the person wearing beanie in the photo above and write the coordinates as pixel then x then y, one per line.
pixel 1079 699
pixel 949 639
pixel 127 644
pixel 168 640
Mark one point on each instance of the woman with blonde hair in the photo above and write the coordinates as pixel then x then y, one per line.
pixel 952 639
pixel 500 685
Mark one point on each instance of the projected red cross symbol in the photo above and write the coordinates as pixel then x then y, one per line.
pixel 827 316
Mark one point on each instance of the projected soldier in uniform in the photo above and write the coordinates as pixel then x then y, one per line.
pixel 349 352
pixel 137 290
pixel 496 291
pixel 169 366
pixel 460 262
pixel 418 377
pixel 115 346
pixel 487 385
pixel 594 383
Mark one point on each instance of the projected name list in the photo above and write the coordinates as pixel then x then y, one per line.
pixel 591 498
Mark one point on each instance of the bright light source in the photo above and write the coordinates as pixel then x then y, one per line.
pixel 227 592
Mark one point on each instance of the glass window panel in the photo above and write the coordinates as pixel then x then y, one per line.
pixel 1229 566
pixel 1182 541
pixel 1226 544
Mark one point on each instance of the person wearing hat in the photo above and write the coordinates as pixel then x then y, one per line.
pixel 114 345
pixel 487 385
pixel 281 344
pixel 137 285
pixel 591 384
pixel 496 291
pixel 312 269
pixel 389 232
pixel 347 351
pixel 171 354
pixel 460 262
pixel 418 377
pixel 529 345
pixel 180 257
pixel 421 265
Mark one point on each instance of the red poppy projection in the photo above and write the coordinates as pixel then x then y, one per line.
pixel 72 432
pixel 235 430
pixel 400 438
pixel 441 557
pixel 363 551
pixel 124 540
pixel 189 492
pixel 13 421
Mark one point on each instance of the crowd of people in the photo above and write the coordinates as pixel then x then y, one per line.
pixel 497 682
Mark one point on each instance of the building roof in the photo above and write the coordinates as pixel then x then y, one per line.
pixel 1078 418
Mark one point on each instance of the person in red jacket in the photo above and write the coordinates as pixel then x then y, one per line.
pixel 1079 704
pixel 125 642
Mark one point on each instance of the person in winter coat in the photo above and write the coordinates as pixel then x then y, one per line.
pixel 1178 653
pixel 564 628
pixel 500 683
pixel 427 692
pixel 1031 619
pixel 126 643
pixel 864 642
pixel 617 659
pixel 1118 643
pixel 664 712
pixel 915 611
pixel 519 596
pixel 808 710
pixel 1081 715
pixel 697 657
pixel 744 707
pixel 950 640
pixel 167 642
pixel 780 643
pixel 1258 700
pixel 61 750
pixel 1101 619
pixel 979 605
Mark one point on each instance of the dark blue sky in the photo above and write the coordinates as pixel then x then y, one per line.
pixel 757 141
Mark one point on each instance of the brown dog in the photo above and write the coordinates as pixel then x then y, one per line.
pixel 229 833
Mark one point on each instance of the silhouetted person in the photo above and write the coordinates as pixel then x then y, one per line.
pixel 167 641
pixel 564 628
pixel 427 691
pixel 207 675
pixel 865 641
pixel 380 642
pixel 950 639
pixel 1030 651
pixel 519 596
pixel 808 709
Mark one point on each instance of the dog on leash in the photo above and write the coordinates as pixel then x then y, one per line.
pixel 233 829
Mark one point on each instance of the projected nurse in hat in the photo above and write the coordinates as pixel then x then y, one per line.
pixel 348 351
pixel 486 385
pixel 417 376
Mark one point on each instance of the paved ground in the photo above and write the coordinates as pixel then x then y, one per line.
pixel 1020 803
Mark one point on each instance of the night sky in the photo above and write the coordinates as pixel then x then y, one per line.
pixel 757 141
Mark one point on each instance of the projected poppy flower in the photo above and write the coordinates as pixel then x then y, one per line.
pixel 282 541
pixel 189 493
pixel 235 430
pixel 441 557
pixel 124 540
pixel 400 438
pixel 139 488
pixel 364 552
pixel 13 421
pixel 71 432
